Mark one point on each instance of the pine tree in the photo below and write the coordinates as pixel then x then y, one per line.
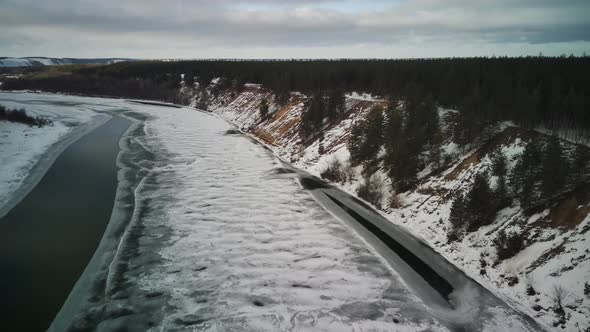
pixel 480 204
pixel 554 168
pixel 189 79
pixel 436 148
pixel 526 173
pixel 403 166
pixel 313 117
pixel 373 134
pixel 392 133
pixel 499 163
pixel 580 161
pixel 457 218
pixel 336 103
pixel 355 141
pixel 203 100
pixel 501 195
pixel 263 108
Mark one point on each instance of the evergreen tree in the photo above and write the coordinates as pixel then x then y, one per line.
pixel 373 133
pixel 203 100
pixel 580 161
pixel 189 79
pixel 436 148
pixel 554 168
pixel 403 165
pixel 313 117
pixel 501 195
pixel 355 141
pixel 263 108
pixel 336 104
pixel 392 134
pixel 499 163
pixel 366 137
pixel 457 219
pixel 526 174
pixel 480 203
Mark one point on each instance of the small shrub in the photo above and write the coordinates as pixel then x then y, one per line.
pixel 586 289
pixel 508 245
pixel 559 296
pixel 512 280
pixel 530 290
pixel 348 171
pixel 395 201
pixel 334 172
pixel 371 190
pixel 21 116
pixel 482 263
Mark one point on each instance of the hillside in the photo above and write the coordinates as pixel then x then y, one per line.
pixel 544 276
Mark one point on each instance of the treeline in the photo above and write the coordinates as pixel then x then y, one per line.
pixel 160 88
pixel 21 116
pixel 531 91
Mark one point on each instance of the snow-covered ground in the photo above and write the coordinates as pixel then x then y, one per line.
pixel 251 250
pixel 426 215
pixel 220 241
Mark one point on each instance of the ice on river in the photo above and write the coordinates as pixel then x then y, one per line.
pixel 217 240
pixel 250 250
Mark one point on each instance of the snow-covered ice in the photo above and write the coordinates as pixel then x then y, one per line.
pixel 219 241
pixel 251 250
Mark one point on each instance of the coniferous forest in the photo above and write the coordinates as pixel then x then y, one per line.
pixel 531 91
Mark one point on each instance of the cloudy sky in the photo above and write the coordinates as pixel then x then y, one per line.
pixel 293 28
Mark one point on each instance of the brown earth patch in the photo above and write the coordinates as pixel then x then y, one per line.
pixel 507 136
pixel 572 210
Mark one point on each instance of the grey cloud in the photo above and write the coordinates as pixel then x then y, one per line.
pixel 300 23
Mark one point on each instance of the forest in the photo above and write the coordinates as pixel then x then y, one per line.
pixel 531 91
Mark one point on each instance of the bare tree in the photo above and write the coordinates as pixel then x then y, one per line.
pixel 559 296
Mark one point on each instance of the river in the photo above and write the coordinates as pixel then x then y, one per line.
pixel 209 232
pixel 47 239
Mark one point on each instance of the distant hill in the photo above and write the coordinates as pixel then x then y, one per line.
pixel 43 61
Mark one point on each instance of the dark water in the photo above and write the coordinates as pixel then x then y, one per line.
pixel 47 240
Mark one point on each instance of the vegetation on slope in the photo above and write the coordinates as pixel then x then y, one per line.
pixel 21 116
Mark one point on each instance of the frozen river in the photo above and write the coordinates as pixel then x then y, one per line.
pixel 209 232
pixel 47 239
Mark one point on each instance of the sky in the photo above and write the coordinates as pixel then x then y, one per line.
pixel 194 29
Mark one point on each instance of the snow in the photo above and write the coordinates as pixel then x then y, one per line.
pixel 363 96
pixel 273 258
pixel 426 215
pixel 191 170
pixel 230 244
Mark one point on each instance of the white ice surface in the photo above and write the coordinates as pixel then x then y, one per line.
pixel 249 251
pixel 274 259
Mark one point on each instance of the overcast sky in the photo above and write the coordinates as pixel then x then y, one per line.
pixel 292 28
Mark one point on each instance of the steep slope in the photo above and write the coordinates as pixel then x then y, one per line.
pixel 554 263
